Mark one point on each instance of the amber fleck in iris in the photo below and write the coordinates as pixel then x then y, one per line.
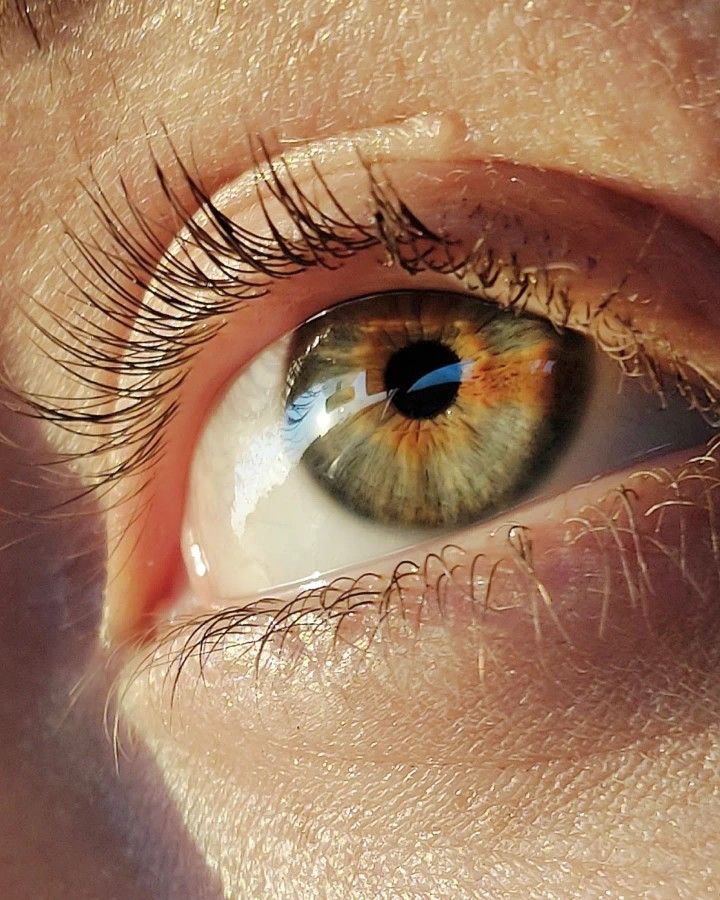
pixel 427 408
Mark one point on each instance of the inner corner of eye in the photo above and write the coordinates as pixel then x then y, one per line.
pixel 374 424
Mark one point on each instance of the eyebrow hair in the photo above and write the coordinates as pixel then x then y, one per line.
pixel 40 19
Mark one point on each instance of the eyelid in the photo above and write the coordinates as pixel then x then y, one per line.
pixel 620 274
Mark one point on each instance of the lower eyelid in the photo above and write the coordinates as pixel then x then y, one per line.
pixel 529 556
pixel 590 622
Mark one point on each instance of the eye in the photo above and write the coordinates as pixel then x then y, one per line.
pixel 406 406
pixel 395 418
pixel 514 334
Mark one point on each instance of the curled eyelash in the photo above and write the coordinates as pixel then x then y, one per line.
pixel 128 359
pixel 112 336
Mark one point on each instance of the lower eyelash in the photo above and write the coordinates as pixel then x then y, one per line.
pixel 111 337
pixel 350 615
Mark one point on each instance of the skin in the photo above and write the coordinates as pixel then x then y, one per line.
pixel 584 800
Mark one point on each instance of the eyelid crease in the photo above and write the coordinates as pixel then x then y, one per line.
pixel 41 20
pixel 17 12
pixel 152 346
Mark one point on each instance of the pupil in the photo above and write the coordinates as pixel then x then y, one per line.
pixel 423 360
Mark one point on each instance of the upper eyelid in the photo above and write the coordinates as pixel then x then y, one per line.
pixel 193 306
pixel 134 391
pixel 107 281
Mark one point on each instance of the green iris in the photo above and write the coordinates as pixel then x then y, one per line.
pixel 431 409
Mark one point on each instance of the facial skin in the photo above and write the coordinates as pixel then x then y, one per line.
pixel 405 778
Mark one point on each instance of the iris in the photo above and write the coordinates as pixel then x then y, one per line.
pixel 430 408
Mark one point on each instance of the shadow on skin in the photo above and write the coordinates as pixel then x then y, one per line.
pixel 70 825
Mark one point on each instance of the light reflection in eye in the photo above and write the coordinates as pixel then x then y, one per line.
pixel 311 463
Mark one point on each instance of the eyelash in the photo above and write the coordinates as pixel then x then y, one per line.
pixel 151 348
pixel 316 617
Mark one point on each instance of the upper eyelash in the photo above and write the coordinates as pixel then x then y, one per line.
pixel 132 358
pixel 152 347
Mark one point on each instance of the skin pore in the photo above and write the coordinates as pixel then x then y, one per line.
pixel 405 777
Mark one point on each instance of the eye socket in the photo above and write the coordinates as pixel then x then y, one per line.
pixel 395 418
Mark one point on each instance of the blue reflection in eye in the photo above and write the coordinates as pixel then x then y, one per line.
pixel 455 373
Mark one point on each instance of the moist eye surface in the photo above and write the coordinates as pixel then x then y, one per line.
pixel 430 409
pixel 253 514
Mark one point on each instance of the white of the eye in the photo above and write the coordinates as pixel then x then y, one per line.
pixel 261 521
